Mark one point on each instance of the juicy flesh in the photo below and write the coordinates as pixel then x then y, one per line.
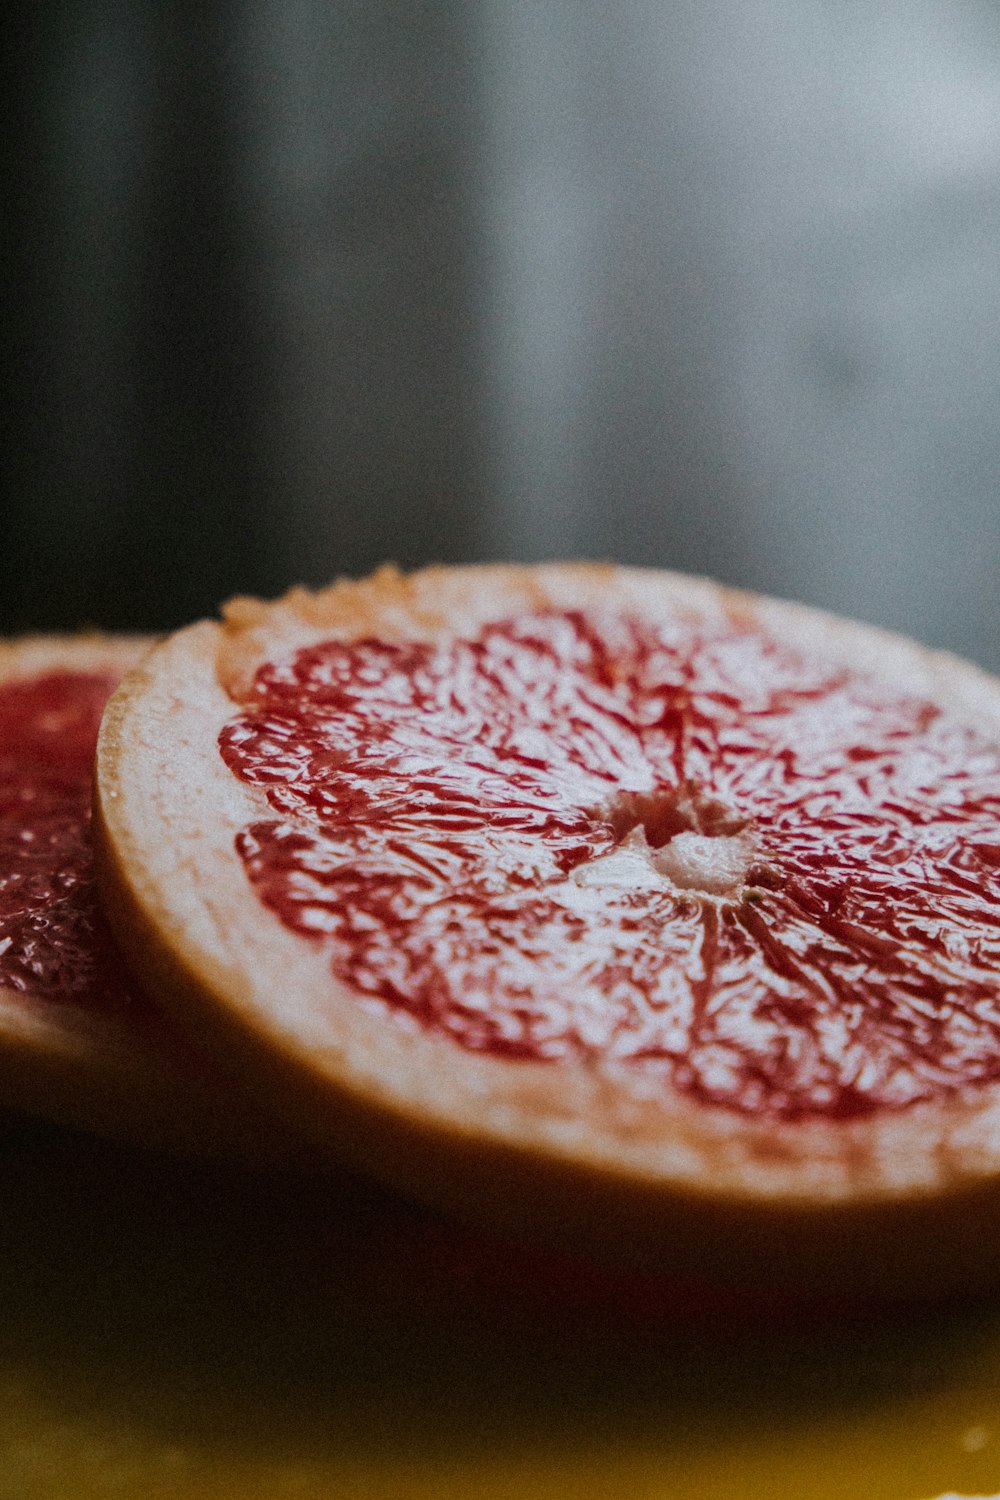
pixel 686 849
pixel 54 943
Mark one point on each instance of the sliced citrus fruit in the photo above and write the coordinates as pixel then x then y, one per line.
pixel 602 904
pixel 80 1043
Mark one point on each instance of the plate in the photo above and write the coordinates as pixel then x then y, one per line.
pixel 182 1332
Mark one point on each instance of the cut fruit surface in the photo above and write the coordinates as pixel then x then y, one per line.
pixel 609 904
pixel 80 1043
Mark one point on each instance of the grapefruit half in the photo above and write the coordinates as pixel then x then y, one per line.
pixel 80 1043
pixel 605 906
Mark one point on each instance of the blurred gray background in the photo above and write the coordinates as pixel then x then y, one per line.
pixel 299 286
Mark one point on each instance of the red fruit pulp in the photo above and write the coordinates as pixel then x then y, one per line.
pixel 54 944
pixel 808 923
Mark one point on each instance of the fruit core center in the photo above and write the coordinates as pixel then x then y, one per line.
pixel 677 837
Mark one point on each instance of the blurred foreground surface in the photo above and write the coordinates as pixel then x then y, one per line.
pixel 176 1330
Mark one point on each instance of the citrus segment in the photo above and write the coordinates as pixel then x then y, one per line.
pixel 695 850
pixel 54 943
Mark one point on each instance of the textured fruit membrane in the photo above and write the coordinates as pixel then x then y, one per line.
pixel 54 944
pixel 683 848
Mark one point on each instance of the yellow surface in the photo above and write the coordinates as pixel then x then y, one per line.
pixel 172 1332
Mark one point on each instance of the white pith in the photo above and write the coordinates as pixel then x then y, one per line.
pixel 710 866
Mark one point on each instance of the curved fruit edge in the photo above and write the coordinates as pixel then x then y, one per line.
pixel 909 1245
